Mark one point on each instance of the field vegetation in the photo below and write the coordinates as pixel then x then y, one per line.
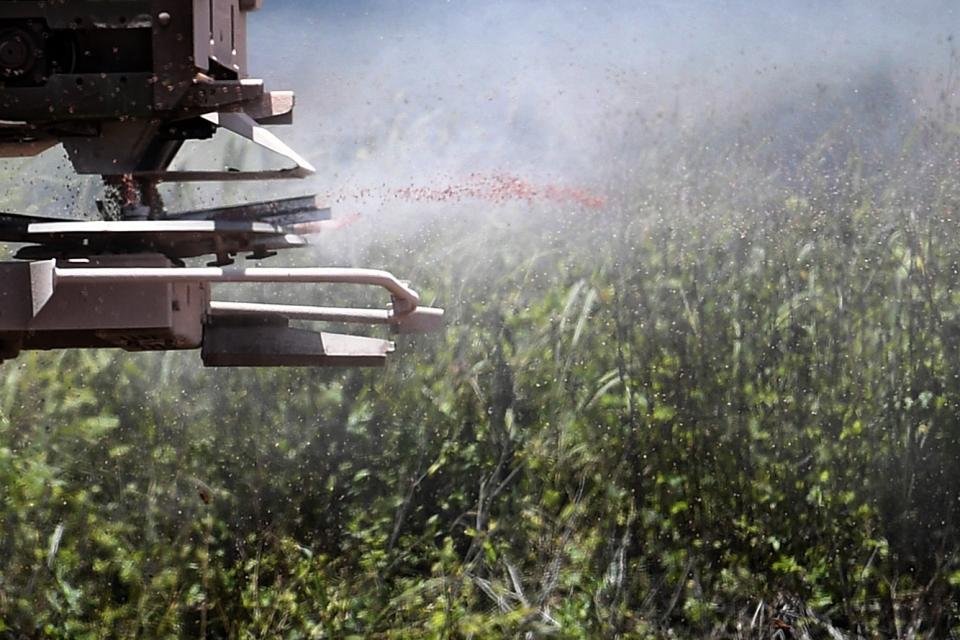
pixel 726 404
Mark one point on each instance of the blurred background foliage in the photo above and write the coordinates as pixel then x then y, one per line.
pixel 723 405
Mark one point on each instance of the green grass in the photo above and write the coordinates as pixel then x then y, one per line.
pixel 724 406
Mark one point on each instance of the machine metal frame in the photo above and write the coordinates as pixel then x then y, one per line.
pixel 122 84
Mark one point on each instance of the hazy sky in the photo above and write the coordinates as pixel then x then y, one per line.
pixel 399 91
pixel 448 85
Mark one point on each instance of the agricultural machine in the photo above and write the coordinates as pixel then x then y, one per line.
pixel 122 85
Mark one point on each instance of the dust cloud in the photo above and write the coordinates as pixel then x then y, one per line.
pixel 400 103
pixel 397 99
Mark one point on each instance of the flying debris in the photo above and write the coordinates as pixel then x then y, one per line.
pixel 122 85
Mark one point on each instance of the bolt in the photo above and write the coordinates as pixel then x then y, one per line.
pixel 163 18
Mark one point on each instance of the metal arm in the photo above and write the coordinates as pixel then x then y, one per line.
pixel 45 275
pixel 405 298
pixel 420 320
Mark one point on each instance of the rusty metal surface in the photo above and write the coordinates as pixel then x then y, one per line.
pixel 122 83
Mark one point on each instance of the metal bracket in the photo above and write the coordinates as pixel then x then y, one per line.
pixel 243 125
